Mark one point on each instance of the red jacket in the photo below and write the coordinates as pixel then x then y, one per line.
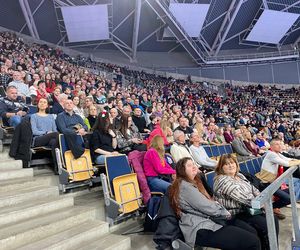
pixel 154 132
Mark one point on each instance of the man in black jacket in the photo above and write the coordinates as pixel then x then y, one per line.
pixel 11 110
pixel 140 121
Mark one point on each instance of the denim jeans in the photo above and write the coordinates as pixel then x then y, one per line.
pixel 100 160
pixel 157 184
pixel 283 195
pixel 14 121
pixel 297 188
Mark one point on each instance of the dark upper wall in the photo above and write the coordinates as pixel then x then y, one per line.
pixel 277 72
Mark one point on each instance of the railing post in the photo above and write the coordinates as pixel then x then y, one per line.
pixel 294 212
pixel 271 225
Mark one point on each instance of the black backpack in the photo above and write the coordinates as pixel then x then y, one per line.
pixel 150 224
pixel 168 228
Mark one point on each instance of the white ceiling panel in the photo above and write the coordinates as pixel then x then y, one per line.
pixel 86 23
pixel 190 16
pixel 272 26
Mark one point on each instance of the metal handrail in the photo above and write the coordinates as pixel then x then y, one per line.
pixel 265 200
pixel 255 56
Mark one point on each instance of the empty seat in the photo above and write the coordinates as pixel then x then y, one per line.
pixel 120 187
pixel 260 160
pixel 208 150
pixel 243 167
pixel 127 192
pixel 215 150
pixel 228 149
pixel 256 164
pixel 116 165
pixel 222 149
pixel 250 167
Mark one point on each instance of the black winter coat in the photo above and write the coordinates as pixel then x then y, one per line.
pixel 168 228
pixel 21 142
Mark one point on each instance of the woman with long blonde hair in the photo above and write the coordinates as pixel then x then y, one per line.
pixel 156 168
pixel 199 127
pixel 166 129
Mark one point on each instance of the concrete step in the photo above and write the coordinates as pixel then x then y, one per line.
pixel 42 171
pixel 21 183
pixel 18 173
pixel 108 242
pixel 32 208
pixel 10 165
pixel 4 156
pixel 16 235
pixel 81 234
pixel 94 199
pixel 13 197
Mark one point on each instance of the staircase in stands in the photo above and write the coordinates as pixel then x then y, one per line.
pixel 33 215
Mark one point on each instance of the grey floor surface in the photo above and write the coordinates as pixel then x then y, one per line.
pixel 142 241
pixel 145 242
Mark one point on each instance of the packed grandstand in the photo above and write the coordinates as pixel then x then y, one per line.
pixel 198 163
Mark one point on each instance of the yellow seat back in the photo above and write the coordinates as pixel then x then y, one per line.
pixel 127 192
pixel 79 169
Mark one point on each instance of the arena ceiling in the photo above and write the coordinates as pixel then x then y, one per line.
pixel 139 25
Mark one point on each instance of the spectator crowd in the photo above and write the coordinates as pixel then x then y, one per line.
pixel 158 115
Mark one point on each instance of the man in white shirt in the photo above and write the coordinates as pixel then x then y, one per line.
pixel 199 154
pixel 269 171
pixel 272 160
pixel 179 149
pixel 22 88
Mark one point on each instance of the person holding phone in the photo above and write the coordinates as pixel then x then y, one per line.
pixel 128 137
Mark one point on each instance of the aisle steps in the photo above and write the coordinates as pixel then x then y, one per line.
pixel 33 215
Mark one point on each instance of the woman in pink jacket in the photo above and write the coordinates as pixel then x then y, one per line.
pixel 156 169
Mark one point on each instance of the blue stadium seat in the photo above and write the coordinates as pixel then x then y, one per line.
pixel 208 150
pixel 260 160
pixel 73 172
pixel 250 167
pixel 121 188
pixel 243 167
pixel 215 150
pixel 116 166
pixel 64 146
pixel 222 150
pixel 256 164
pixel 32 109
pixel 228 149
pixel 210 179
pixel 169 159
